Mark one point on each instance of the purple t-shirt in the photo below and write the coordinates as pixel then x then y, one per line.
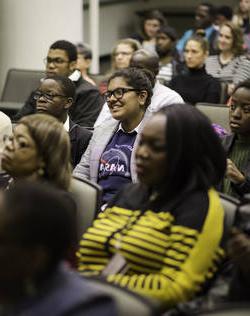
pixel 114 166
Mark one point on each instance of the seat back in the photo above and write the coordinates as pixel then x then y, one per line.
pixel 127 302
pixel 217 113
pixel 87 195
pixel 20 83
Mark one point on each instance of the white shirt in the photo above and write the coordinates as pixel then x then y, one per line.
pixel 162 96
pixel 66 124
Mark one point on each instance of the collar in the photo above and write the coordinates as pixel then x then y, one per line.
pixel 66 124
pixel 130 132
pixel 75 76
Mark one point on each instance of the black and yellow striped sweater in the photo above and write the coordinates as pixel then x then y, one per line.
pixel 170 255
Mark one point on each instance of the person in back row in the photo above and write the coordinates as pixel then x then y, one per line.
pixel 162 95
pixel 204 19
pixel 62 60
pixel 55 96
pixel 169 59
pixel 195 84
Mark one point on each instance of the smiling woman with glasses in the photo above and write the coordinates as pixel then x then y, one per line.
pixel 109 158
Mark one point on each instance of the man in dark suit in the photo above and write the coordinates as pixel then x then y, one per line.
pixel 61 60
pixel 55 96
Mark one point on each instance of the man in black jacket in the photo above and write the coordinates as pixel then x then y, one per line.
pixel 55 97
pixel 61 60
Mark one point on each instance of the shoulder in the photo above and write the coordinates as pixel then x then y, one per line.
pixel 80 130
pixel 192 211
pixel 130 197
pixel 165 95
pixel 83 85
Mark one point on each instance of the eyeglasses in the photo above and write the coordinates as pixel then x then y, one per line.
pixel 117 93
pixel 56 61
pixel 17 143
pixel 47 96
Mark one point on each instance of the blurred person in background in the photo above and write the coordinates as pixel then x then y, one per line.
pixel 152 21
pixel 230 65
pixel 195 85
pixel 84 59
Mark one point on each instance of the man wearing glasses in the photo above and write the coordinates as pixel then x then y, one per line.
pixel 62 60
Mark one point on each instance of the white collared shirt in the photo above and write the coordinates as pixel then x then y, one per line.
pixel 66 124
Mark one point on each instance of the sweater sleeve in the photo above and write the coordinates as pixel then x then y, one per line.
pixel 213 92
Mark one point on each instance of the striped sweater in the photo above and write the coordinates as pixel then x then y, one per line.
pixel 169 255
pixel 235 71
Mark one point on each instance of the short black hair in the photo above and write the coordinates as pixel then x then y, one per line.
pixel 41 215
pixel 225 11
pixel 195 156
pixel 67 85
pixel 68 47
pixel 211 8
pixel 137 78
pixel 85 50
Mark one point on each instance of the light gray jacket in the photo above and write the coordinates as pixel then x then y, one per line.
pixel 88 167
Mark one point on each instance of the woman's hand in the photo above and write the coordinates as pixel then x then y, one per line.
pixel 233 173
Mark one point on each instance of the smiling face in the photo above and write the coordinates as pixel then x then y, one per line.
pixel 194 55
pixel 20 157
pixel 225 39
pixel 239 114
pixel 151 27
pixel 58 105
pixel 151 157
pixel 129 109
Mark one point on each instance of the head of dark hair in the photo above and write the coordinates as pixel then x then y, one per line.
pixel 145 59
pixel 68 47
pixel 137 78
pixel 67 85
pixel 225 11
pixel 40 215
pixel 211 8
pixel 85 50
pixel 152 15
pixel 195 156
pixel 169 31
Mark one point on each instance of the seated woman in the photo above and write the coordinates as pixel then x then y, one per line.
pixel 37 229
pixel 38 149
pixel 120 58
pixel 230 65
pixel 195 85
pixel 151 23
pixel 109 158
pixel 162 237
